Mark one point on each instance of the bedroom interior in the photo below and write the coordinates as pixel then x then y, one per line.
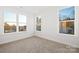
pixel 39 29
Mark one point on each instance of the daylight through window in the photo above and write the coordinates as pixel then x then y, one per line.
pixel 9 22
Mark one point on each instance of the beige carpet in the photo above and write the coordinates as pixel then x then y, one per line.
pixel 35 45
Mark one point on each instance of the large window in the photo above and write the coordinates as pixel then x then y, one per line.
pixel 9 22
pixel 66 20
pixel 22 23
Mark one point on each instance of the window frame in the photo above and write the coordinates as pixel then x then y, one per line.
pixel 22 22
pixel 17 22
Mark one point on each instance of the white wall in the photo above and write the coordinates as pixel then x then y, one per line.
pixel 8 37
pixel 50 27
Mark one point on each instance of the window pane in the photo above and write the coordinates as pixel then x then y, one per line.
pixel 9 17
pixel 22 27
pixel 9 27
pixel 22 23
pixel 9 22
pixel 67 14
pixel 22 18
pixel 67 27
pixel 38 24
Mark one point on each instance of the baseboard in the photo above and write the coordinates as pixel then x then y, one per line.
pixel 8 41
pixel 67 45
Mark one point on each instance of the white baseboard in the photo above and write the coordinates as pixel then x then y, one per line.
pixel 49 38
pixel 7 41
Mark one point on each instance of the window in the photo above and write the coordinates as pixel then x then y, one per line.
pixel 38 24
pixel 66 20
pixel 9 22
pixel 22 23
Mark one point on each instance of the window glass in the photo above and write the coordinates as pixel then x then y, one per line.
pixel 9 22
pixel 22 23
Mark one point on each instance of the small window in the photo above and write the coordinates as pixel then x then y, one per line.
pixel 22 23
pixel 38 24
pixel 9 22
